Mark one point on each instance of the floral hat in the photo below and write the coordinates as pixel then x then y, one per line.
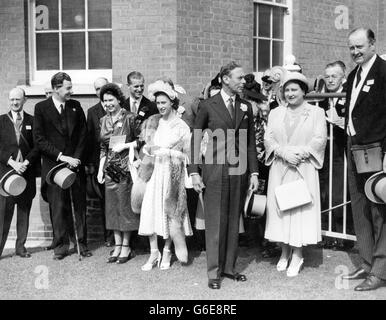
pixel 161 86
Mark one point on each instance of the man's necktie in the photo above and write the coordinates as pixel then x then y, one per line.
pixel 230 107
pixel 18 125
pixel 63 120
pixel 358 76
pixel 135 107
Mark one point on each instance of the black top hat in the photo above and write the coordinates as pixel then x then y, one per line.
pixel 12 184
pixel 61 176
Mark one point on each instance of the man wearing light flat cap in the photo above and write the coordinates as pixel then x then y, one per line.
pixel 366 129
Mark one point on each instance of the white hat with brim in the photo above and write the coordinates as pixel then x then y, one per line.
pixel 61 176
pixel 291 76
pixel 12 184
pixel 375 188
pixel 255 204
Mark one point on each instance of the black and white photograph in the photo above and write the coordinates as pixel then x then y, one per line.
pixel 192 155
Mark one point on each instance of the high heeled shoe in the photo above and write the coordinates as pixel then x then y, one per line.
pixel 152 262
pixel 282 264
pixel 131 255
pixel 166 257
pixel 112 258
pixel 294 271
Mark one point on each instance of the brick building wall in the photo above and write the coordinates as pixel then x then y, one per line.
pixel 210 34
pixel 316 40
pixel 12 47
pixel 144 38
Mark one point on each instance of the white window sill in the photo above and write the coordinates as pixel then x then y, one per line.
pixel 38 90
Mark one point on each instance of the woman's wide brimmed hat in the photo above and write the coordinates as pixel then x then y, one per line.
pixel 291 76
pixel 61 176
pixel 255 204
pixel 12 184
pixel 375 188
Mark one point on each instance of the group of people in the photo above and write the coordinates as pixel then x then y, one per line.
pixel 149 154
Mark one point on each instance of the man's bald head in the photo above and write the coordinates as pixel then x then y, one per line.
pixel 98 84
pixel 16 99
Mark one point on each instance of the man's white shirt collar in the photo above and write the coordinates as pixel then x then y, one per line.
pixel 368 64
pixel 14 115
pixel 57 103
pixel 226 97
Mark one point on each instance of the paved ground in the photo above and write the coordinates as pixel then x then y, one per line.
pixel 43 278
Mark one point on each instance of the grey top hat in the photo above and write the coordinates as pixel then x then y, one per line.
pixel 375 188
pixel 255 204
pixel 61 176
pixel 12 184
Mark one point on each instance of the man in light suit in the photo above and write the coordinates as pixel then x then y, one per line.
pixel 18 152
pixel 60 133
pixel 225 180
pixel 366 124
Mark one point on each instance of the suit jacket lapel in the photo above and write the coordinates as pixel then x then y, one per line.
pixel 100 111
pixel 53 114
pixel 222 111
pixel 11 128
pixel 371 75
pixel 240 114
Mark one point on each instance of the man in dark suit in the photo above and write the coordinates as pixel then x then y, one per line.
pixel 17 151
pixel 224 177
pixel 94 114
pixel 137 102
pixel 335 82
pixel 60 133
pixel 366 123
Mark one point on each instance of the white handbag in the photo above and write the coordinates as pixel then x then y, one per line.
pixel 293 194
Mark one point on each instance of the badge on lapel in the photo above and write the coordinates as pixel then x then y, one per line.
pixel 244 108
pixel 141 113
pixel 366 88
pixel 370 82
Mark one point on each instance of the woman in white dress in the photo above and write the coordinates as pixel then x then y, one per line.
pixel 164 210
pixel 295 140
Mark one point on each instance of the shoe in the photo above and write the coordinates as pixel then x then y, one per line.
pixel 371 283
pixel 131 255
pixel 282 265
pixel 60 256
pixel 356 275
pixel 166 257
pixel 214 284
pixel 25 254
pixel 236 277
pixel 112 258
pixel 294 271
pixel 86 254
pixel 152 262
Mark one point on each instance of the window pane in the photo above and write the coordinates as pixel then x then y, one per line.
pixel 73 14
pixel 264 21
pixel 264 54
pixel 255 11
pixel 74 50
pixel 47 15
pixel 278 23
pixel 47 51
pixel 100 50
pixel 277 54
pixel 254 54
pixel 99 14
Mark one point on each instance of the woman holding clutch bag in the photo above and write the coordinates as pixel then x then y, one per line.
pixel 295 140
pixel 164 209
pixel 114 171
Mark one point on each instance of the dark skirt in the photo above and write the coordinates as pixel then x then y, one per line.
pixel 119 215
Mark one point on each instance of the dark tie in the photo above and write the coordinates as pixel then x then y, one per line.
pixel 230 107
pixel 358 76
pixel 63 120
pixel 18 126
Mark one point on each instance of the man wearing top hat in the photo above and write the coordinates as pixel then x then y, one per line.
pixel 60 133
pixel 366 124
pixel 19 156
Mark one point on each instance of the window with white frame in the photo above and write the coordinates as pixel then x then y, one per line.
pixel 72 36
pixel 271 33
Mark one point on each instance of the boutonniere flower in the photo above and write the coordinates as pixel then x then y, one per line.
pixel 180 110
pixel 244 107
pixel 306 113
